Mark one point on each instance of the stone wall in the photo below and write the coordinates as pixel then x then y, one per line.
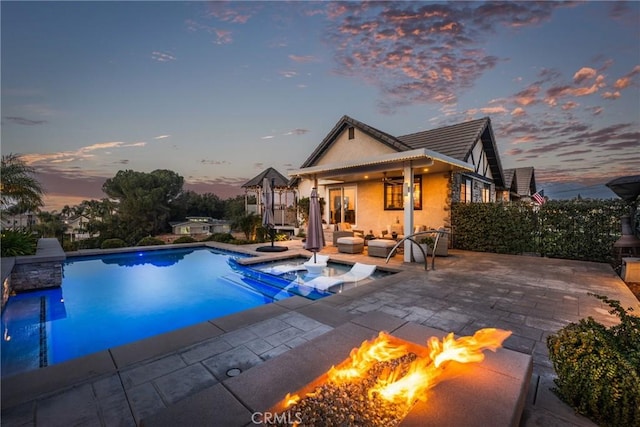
pixel 40 271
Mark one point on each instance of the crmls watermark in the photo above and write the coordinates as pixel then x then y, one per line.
pixel 271 417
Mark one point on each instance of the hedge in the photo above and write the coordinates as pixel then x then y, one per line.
pixel 575 229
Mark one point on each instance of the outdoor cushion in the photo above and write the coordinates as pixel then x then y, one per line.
pixel 358 272
pixel 351 245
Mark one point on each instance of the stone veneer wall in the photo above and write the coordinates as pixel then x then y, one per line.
pixel 40 271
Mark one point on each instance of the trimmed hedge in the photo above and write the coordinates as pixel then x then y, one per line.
pixel 576 229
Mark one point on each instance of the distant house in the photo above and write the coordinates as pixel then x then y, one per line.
pixel 372 179
pixel 76 228
pixel 23 221
pixel 199 225
pixel 520 184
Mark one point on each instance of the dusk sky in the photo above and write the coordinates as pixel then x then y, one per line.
pixel 219 91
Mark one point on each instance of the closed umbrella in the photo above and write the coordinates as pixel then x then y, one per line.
pixel 268 221
pixel 315 234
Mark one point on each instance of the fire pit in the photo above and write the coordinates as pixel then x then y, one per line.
pixel 381 381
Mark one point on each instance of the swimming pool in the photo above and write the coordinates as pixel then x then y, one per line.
pixel 115 299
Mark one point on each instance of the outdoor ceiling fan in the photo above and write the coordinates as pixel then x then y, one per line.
pixel 385 179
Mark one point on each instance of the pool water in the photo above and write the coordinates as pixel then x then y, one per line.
pixel 115 299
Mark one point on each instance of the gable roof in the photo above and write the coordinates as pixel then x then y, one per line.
pixel 346 122
pixel 269 173
pixel 525 181
pixel 457 141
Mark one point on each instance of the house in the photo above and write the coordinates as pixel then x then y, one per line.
pixel 374 180
pixel 76 228
pixel 198 225
pixel 519 184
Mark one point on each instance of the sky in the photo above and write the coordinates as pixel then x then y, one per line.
pixel 219 91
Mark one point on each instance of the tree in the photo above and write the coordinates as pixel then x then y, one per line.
pixel 18 186
pixel 144 200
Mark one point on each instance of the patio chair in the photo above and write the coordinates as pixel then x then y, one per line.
pixel 344 230
pixel 357 273
pixel 281 269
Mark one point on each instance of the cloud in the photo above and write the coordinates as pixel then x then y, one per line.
pixel 415 52
pixel 302 59
pixel 267 137
pixel 223 37
pixel 215 162
pixel 297 131
pixel 24 121
pixel 83 153
pixel 288 74
pixel 162 56
pixel 584 73
pixel 161 136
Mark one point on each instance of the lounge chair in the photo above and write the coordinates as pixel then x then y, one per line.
pixel 281 269
pixel 358 272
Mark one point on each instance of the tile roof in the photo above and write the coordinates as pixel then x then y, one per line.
pixel 455 141
pixel 269 173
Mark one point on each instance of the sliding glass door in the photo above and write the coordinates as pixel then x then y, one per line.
pixel 342 204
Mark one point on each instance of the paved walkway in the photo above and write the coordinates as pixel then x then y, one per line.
pixel 190 370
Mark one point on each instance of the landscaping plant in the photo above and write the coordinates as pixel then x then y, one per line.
pixel 16 243
pixel 150 241
pixel 598 368
pixel 113 243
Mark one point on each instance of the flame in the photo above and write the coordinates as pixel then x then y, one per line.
pixel 362 358
pixel 291 399
pixel 402 384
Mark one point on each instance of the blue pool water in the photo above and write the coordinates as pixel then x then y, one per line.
pixel 116 299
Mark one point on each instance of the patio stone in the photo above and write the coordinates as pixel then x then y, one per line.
pixel 214 406
pixel 149 371
pixel 205 350
pixel 239 336
pixel 326 313
pixel 184 382
pixel 258 346
pixel 144 400
pixel 268 327
pixel 283 336
pixel 76 406
pixel 299 321
pixel 237 358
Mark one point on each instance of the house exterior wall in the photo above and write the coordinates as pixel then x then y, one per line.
pixel 370 212
pixel 345 149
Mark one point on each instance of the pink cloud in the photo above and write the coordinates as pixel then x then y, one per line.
pixel 584 73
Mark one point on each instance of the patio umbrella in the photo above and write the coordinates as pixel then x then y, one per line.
pixel 315 234
pixel 267 213
pixel 626 187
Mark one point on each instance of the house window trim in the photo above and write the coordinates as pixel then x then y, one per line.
pixel 351 131
pixel 399 188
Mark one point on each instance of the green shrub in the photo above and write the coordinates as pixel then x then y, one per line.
pixel 220 237
pixel 599 368
pixel 149 241
pixel 185 239
pixel 570 229
pixel 113 243
pixel 68 246
pixel 16 243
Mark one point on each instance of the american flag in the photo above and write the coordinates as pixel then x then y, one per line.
pixel 539 197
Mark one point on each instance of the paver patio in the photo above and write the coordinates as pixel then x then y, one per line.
pixel 190 375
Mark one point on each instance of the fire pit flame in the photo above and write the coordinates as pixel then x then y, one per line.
pixel 389 376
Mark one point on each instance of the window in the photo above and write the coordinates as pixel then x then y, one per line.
pixel 486 193
pixel 352 132
pixel 465 190
pixel 394 194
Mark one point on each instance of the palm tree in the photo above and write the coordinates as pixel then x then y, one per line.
pixel 17 184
